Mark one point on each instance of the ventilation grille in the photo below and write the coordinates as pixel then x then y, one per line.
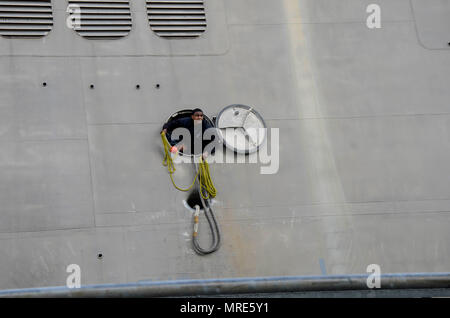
pixel 101 19
pixel 25 18
pixel 177 18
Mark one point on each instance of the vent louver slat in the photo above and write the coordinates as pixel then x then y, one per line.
pixel 26 18
pixel 103 19
pixel 177 18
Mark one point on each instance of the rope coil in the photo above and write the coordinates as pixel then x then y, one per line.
pixel 206 185
pixel 202 174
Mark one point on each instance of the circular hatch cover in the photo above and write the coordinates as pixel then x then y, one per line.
pixel 241 128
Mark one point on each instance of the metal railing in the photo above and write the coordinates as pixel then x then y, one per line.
pixel 241 286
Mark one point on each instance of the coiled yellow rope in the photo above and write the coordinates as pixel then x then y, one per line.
pixel 205 180
pixel 203 172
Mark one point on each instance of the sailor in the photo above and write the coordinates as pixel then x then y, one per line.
pixel 196 124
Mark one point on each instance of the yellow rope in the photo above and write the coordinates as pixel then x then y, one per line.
pixel 203 172
pixel 205 180
pixel 168 161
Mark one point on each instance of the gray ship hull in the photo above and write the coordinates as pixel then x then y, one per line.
pixel 364 124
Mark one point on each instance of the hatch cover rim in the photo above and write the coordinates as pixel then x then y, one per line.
pixel 252 110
